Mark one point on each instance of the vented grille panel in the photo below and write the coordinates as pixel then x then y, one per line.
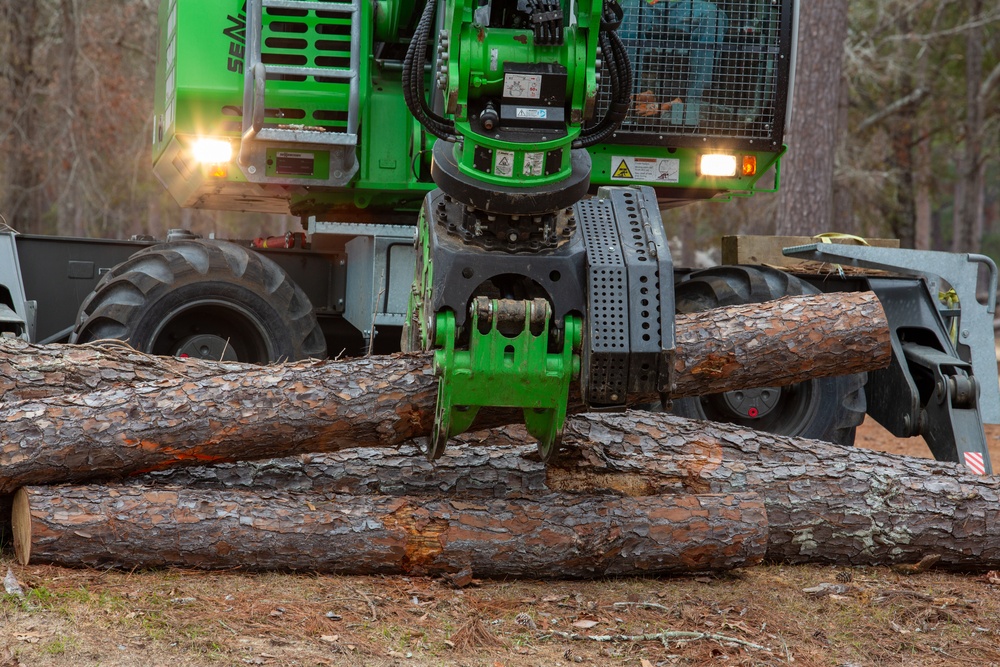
pixel 608 286
pixel 704 69
pixel 607 339
pixel 309 38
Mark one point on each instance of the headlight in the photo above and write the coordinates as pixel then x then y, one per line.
pixel 715 164
pixel 212 151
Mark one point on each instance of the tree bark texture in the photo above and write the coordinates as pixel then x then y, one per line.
pixel 29 372
pixel 560 535
pixel 124 428
pixel 825 503
pixel 748 345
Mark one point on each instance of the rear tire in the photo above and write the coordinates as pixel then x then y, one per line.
pixel 206 299
pixel 829 408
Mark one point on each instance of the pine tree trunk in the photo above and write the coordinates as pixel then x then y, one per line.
pixel 967 218
pixel 825 503
pixel 805 206
pixel 770 344
pixel 558 536
pixel 127 425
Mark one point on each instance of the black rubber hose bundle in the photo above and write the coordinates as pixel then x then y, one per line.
pixel 619 68
pixel 413 79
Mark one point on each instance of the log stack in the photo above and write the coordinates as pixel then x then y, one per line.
pixel 631 494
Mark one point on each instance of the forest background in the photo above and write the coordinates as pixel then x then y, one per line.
pixel 895 133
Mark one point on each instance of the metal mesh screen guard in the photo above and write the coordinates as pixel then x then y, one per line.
pixel 706 70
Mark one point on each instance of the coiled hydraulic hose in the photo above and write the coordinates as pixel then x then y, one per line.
pixel 619 68
pixel 413 79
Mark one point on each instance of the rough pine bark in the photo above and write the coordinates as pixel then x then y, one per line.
pixel 558 536
pixel 825 503
pixel 773 344
pixel 29 371
pixel 124 428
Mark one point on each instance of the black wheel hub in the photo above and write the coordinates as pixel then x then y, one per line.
pixel 784 410
pixel 753 403
pixel 207 346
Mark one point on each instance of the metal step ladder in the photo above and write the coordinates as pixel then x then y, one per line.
pixel 256 137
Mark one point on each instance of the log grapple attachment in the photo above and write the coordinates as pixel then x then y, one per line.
pixel 513 329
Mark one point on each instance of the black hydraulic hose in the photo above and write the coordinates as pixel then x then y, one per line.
pixel 547 22
pixel 619 69
pixel 413 79
pixel 437 125
pixel 413 69
pixel 594 134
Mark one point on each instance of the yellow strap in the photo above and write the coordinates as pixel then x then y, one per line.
pixel 828 237
pixel 950 300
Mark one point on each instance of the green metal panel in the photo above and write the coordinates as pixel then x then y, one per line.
pixel 199 91
pixel 676 168
pixel 209 68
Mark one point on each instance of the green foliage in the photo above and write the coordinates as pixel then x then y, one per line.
pixel 59 645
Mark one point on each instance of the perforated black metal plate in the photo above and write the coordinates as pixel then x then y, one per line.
pixel 606 343
pixel 629 341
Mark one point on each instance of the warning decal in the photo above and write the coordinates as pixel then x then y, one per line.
pixel 503 164
pixel 652 169
pixel 525 86
pixel 533 164
pixel 974 462
pixel 622 171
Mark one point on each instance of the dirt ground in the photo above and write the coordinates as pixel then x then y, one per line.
pixel 757 616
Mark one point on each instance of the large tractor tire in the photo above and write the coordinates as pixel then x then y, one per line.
pixel 827 408
pixel 205 299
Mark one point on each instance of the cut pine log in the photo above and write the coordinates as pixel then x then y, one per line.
pixel 558 536
pixel 124 425
pixel 825 503
pixel 842 333
pixel 29 371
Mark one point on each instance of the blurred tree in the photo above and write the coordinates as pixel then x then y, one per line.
pixel 912 70
pixel 21 36
pixel 76 81
pixel 970 185
pixel 806 202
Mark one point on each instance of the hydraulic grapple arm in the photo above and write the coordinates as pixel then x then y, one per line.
pixel 942 382
pixel 512 260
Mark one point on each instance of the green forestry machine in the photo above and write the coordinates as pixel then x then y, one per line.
pixel 514 156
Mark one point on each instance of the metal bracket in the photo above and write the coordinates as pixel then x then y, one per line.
pixel 949 418
pixel 20 318
pixel 975 342
pixel 504 368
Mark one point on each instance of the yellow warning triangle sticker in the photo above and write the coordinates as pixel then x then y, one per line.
pixel 622 171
